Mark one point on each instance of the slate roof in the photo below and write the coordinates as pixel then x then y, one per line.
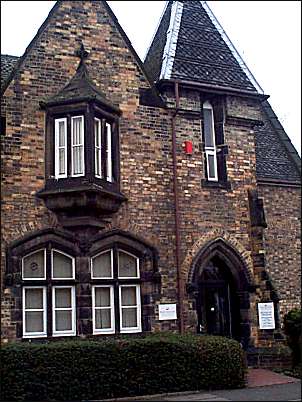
pixel 276 157
pixel 7 65
pixel 201 53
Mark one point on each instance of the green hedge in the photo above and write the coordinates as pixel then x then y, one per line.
pixel 82 369
pixel 292 329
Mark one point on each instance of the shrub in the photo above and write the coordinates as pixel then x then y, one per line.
pixel 292 329
pixel 82 369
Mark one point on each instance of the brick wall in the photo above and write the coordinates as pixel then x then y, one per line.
pixel 283 242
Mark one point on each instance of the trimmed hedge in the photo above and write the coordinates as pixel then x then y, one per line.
pixel 292 329
pixel 83 369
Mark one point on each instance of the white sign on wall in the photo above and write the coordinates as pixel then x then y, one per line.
pixel 167 312
pixel 266 315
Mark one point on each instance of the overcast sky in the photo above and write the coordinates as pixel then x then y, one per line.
pixel 267 34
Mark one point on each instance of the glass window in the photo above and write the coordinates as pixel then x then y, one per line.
pixel 62 265
pixel 109 152
pixel 103 309
pixel 77 145
pixel 127 265
pixel 63 310
pixel 101 265
pixel 33 265
pixel 98 147
pixel 209 140
pixel 34 311
pixel 61 148
pixel 130 308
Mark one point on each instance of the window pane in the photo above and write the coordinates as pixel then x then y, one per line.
pixel 127 265
pixel 34 321
pixel 211 166
pixel 61 161
pixel 102 319
pixel 76 135
pixel 63 297
pixel 61 134
pixel 101 266
pixel 97 133
pixel 33 265
pixel 129 318
pixel 208 127
pixel 77 159
pixel 128 296
pixel 63 321
pixel 102 297
pixel 62 266
pixel 33 298
pixel 109 152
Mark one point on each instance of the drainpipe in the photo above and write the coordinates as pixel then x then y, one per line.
pixel 180 288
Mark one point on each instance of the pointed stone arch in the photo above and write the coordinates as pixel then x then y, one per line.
pixel 219 239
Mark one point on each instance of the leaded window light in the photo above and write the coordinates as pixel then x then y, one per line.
pixel 44 269
pixel 209 141
pixel 34 266
pixel 116 298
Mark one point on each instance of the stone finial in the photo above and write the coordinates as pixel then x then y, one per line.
pixel 82 53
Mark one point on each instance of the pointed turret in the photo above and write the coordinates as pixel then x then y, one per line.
pixel 190 45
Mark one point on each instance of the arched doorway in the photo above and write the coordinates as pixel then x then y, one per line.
pixel 221 286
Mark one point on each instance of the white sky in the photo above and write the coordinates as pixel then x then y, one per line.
pixel 267 34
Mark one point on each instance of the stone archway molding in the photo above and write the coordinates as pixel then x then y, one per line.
pixel 211 238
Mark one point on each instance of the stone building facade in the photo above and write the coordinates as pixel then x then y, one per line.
pixel 128 188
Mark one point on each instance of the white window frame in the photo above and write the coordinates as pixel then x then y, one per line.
pixel 138 328
pixel 77 145
pixel 211 150
pixel 118 265
pixel 98 149
pixel 44 309
pixel 27 255
pixel 91 265
pixel 110 330
pixel 109 152
pixel 71 332
pixel 57 153
pixel 66 255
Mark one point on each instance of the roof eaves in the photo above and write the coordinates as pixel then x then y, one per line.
pixel 282 135
pixel 29 47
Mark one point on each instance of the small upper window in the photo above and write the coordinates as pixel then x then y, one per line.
pixel 209 141
pixel 62 265
pixel 34 265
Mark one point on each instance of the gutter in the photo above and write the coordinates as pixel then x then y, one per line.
pixel 180 287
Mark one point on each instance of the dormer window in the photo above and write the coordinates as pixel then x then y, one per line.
pixel 82 151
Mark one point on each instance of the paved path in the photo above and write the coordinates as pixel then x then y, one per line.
pixel 262 385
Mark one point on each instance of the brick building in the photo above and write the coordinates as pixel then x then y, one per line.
pixel 131 188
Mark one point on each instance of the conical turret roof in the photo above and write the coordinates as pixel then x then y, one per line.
pixel 80 88
pixel 191 45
